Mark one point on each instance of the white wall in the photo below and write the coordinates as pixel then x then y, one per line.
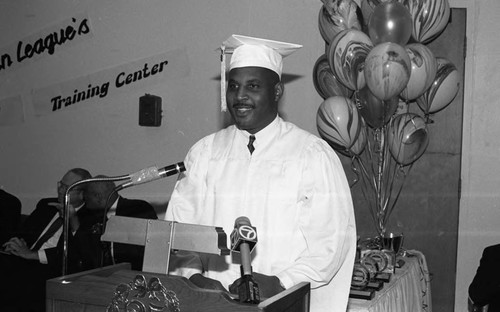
pixel 105 138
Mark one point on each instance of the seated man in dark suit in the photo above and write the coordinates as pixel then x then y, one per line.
pixel 35 253
pixel 485 287
pixel 10 215
pixel 101 197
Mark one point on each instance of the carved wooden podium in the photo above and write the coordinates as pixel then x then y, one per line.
pixel 94 290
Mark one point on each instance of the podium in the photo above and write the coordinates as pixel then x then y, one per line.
pixel 93 291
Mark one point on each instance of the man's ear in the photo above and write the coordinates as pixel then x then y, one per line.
pixel 278 91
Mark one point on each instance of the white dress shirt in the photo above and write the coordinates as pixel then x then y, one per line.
pixel 52 241
pixel 112 212
pixel 294 191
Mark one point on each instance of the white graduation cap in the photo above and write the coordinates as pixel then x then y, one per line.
pixel 253 52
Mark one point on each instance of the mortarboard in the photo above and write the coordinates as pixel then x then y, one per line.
pixel 250 51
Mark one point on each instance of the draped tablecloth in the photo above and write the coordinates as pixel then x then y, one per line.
pixel 408 290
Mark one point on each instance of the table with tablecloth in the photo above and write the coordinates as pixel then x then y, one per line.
pixel 407 291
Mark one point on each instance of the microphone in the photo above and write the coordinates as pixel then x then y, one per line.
pixel 243 240
pixel 151 174
pixel 139 177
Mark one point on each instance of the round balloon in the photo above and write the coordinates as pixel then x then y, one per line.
pixel 335 16
pixel 423 71
pixel 376 112
pixel 359 145
pixel 430 18
pixel 338 122
pixel 367 7
pixel 390 22
pixel 408 138
pixel 346 56
pixel 325 82
pixel 443 90
pixel 387 70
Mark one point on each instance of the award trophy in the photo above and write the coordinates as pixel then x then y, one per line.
pixel 393 243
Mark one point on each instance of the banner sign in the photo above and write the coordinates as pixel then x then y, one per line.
pixel 46 42
pixel 103 84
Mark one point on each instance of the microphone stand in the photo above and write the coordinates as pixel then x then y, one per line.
pixel 139 177
pixel 105 217
pixel 66 213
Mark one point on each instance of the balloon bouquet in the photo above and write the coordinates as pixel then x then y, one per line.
pixel 376 59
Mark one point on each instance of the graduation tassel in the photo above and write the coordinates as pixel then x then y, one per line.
pixel 223 104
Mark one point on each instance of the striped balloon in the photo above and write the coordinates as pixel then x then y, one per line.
pixel 338 122
pixel 336 16
pixel 346 56
pixel 408 138
pixel 387 70
pixel 359 145
pixel 423 70
pixel 430 17
pixel 325 82
pixel 443 90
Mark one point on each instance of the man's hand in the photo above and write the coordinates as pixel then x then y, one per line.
pixel 268 285
pixel 17 247
pixel 206 283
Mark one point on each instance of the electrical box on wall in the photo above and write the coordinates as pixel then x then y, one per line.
pixel 150 110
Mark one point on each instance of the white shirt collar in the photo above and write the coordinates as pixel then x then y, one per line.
pixel 265 134
pixel 79 207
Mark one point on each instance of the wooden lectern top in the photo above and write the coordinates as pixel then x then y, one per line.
pixel 94 290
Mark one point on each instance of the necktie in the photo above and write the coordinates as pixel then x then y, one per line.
pixel 250 146
pixel 56 225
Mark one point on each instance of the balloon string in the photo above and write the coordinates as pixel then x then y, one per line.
pixel 391 176
pixel 380 170
pixel 367 188
pixel 405 174
pixel 366 175
pixel 355 170
pixel 369 176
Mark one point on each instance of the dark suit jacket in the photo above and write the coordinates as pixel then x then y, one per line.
pixel 10 215
pixel 29 276
pixel 485 287
pixel 32 228
pixel 133 254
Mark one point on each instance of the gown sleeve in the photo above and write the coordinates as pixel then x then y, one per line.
pixel 326 221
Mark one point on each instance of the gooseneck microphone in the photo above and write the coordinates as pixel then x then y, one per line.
pixel 243 240
pixel 139 177
pixel 151 174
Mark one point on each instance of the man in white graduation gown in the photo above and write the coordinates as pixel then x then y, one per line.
pixel 290 184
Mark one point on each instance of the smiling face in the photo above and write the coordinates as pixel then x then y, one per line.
pixel 252 97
